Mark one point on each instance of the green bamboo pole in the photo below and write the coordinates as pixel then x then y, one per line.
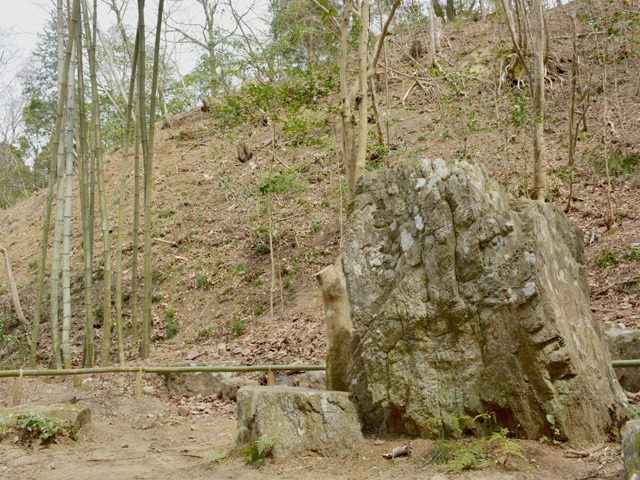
pixel 55 267
pixel 97 153
pixel 123 188
pixel 146 299
pixel 66 232
pixel 91 371
pixel 148 286
pixel 136 230
pixel 53 173
pixel 87 224
pixel 625 363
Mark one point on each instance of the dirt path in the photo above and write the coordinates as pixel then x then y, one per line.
pixel 146 438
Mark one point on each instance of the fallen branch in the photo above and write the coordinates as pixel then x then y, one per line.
pixel 613 285
pixel 583 453
pixel 168 242
pixel 280 161
pixel 14 289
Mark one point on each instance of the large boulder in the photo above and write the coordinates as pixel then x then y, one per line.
pixel 465 300
pixel 197 383
pixel 625 345
pixel 301 420
pixel 64 414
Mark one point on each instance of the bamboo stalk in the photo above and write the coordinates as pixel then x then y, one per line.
pixel 139 383
pixel 136 229
pixel 87 224
pixel 123 188
pixel 164 370
pixel 17 389
pixel 146 298
pixel 68 192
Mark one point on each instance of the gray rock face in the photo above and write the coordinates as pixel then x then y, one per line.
pixel 625 345
pixel 631 449
pixel 65 414
pixel 465 300
pixel 197 383
pixel 302 420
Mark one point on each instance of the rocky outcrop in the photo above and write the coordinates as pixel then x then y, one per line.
pixel 465 300
pixel 301 420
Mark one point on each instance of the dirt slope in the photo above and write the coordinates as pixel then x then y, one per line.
pixel 212 266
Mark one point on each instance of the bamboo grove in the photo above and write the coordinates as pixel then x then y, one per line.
pixel 77 151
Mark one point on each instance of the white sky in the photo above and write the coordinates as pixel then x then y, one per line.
pixel 26 18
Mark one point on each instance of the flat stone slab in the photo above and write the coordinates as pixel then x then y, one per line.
pixel 65 414
pixel 197 383
pixel 301 420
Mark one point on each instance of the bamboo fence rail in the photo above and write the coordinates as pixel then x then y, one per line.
pixel 18 375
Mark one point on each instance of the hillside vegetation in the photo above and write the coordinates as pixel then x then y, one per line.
pixel 213 213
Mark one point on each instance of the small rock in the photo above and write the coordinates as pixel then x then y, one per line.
pixel 313 379
pixel 183 411
pixel 124 445
pixel 229 387
pixel 148 390
pixel 301 419
pixel 284 380
pixel 378 442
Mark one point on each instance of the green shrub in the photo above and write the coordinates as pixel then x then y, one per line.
pixel 620 165
pixel 33 427
pixel 202 281
pixel 171 327
pixel 238 269
pixel 282 182
pixel 236 326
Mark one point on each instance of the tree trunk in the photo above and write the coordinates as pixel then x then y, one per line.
pixel 437 8
pixel 338 320
pixel 363 97
pixel 451 10
pixel 14 289
pixel 540 188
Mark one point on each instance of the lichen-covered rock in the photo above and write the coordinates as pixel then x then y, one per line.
pixel 625 345
pixel 301 419
pixel 197 383
pixel 65 414
pixel 229 387
pixel 631 449
pixel 465 300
